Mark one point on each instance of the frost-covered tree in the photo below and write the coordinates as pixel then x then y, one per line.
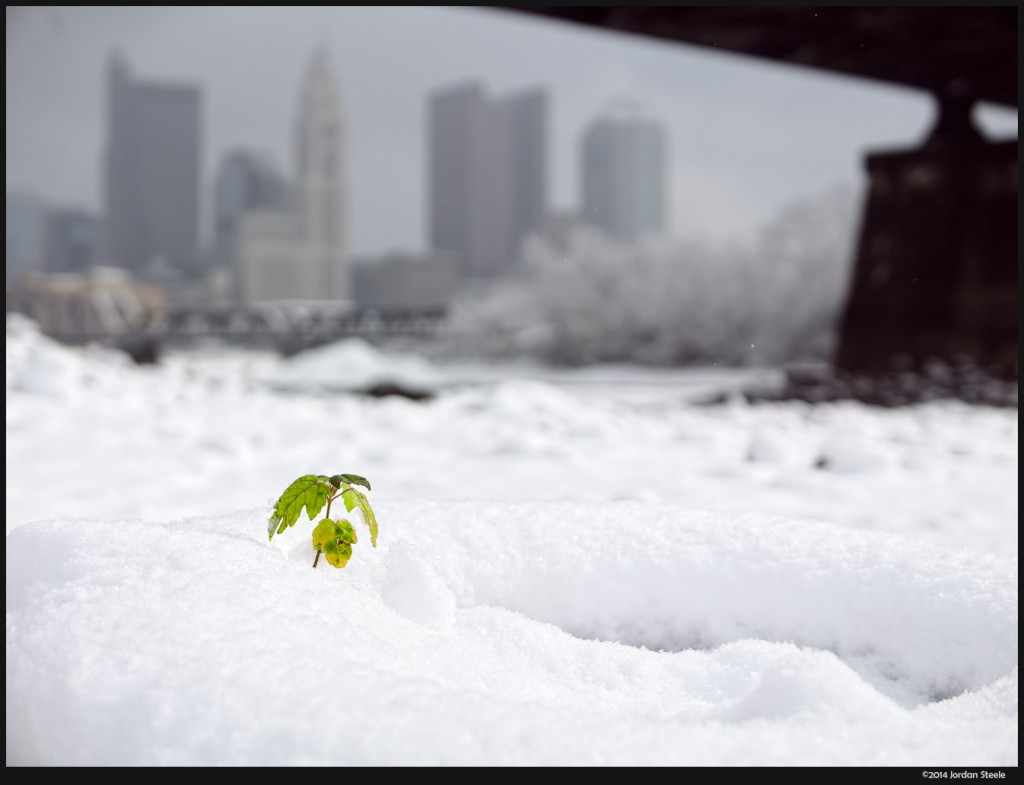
pixel 592 299
pixel 805 256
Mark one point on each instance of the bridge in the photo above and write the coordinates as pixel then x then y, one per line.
pixel 287 327
pixel 110 309
pixel 294 325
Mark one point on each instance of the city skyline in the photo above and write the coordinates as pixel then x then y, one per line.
pixel 745 138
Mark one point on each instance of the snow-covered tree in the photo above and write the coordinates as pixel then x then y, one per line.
pixel 592 299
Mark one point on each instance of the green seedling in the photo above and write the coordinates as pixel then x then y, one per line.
pixel 333 538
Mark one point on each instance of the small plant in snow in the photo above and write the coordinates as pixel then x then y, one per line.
pixel 333 538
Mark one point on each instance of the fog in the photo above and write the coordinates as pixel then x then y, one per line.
pixel 746 136
pixel 453 161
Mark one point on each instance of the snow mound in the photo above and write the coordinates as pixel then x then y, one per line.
pixel 507 634
pixel 853 454
pixel 652 576
pixel 352 364
pixel 38 365
pixel 408 584
pixel 774 443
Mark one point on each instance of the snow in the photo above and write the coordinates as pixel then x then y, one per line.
pixel 564 576
pixel 351 365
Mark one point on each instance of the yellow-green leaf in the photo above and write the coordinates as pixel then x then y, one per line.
pixel 369 518
pixel 345 532
pixel 338 554
pixel 334 539
pixel 324 535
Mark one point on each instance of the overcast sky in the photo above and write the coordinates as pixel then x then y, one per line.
pixel 745 137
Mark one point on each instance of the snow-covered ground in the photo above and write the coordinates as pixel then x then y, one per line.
pixel 578 568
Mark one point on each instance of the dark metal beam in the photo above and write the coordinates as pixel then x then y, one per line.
pixel 934 48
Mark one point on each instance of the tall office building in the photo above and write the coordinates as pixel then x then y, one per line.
pixel 319 185
pixel 152 176
pixel 245 182
pixel 623 176
pixel 299 253
pixel 488 170
pixel 526 120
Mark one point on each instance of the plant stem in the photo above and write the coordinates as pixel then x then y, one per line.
pixel 326 515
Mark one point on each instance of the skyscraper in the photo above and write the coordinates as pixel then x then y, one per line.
pixel 526 118
pixel 488 170
pixel 245 182
pixel 319 186
pixel 623 176
pixel 152 176
pixel 299 253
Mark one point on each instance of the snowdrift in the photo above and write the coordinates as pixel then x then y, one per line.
pixel 506 634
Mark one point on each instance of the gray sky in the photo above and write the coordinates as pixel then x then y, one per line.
pixel 745 137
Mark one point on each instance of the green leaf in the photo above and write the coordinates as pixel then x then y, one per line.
pixel 309 491
pixel 349 497
pixel 369 518
pixel 338 480
pixel 355 479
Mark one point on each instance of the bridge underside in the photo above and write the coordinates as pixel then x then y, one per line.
pixel 936 269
